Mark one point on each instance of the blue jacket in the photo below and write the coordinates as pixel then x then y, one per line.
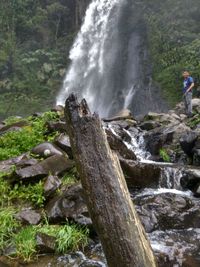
pixel 187 83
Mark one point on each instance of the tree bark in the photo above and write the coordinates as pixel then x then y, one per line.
pixel 113 214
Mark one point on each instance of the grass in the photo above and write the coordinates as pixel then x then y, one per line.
pixel 164 155
pixel 15 143
pixel 68 238
pixel 8 226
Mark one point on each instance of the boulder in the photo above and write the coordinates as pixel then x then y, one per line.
pixel 168 211
pixel 47 150
pixel 13 127
pixel 187 142
pixel 69 205
pixel 45 243
pixel 63 142
pixel 122 115
pixel 191 179
pixel 149 125
pixel 140 175
pixel 58 126
pixel 51 184
pixel 117 144
pixel 29 216
pixel 55 165
pixel 176 247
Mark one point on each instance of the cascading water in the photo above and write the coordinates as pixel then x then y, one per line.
pixel 110 66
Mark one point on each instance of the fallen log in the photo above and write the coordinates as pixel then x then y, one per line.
pixel 113 214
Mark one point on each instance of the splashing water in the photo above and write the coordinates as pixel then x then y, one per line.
pixel 91 55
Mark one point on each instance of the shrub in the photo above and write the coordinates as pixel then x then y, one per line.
pixel 164 155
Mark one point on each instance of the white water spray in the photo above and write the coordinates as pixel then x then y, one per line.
pixel 91 55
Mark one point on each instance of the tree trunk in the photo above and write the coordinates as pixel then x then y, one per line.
pixel 113 214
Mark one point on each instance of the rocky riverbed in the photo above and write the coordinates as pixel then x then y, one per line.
pixel 160 158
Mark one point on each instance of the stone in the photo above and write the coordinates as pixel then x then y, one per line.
pixel 167 211
pixel 69 205
pixel 55 165
pixel 29 216
pixel 176 247
pixel 139 175
pixel 149 125
pixel 122 115
pixel 117 144
pixel 45 243
pixel 187 142
pixel 51 184
pixel 58 126
pixel 63 142
pixel 47 150
pixel 16 126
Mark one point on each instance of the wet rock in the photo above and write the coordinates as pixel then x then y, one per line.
pixel 47 150
pixel 187 142
pixel 91 263
pixel 59 126
pixel 45 243
pixel 149 125
pixel 122 115
pixel 139 175
pixel 29 216
pixel 191 179
pixel 13 127
pixel 52 183
pixel 55 165
pixel 63 142
pixel 116 143
pixel 70 205
pixel 176 248
pixel 168 211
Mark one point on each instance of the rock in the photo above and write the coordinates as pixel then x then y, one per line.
pixel 191 179
pixel 187 142
pixel 116 143
pixel 122 115
pixel 58 126
pixel 91 263
pixel 59 109
pixel 140 175
pixel 52 183
pixel 55 165
pixel 63 142
pixel 45 243
pixel 168 211
pixel 149 125
pixel 70 205
pixel 196 157
pixel 176 248
pixel 13 127
pixel 47 150
pixel 29 216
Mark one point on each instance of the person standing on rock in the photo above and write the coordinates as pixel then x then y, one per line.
pixel 188 85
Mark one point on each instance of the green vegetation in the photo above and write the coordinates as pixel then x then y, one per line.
pixel 35 37
pixel 164 155
pixel 174 39
pixel 15 143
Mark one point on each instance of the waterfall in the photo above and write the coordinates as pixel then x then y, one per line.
pixel 110 64
pixel 92 56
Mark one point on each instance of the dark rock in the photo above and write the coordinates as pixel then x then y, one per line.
pixel 149 125
pixel 187 142
pixel 13 127
pixel 55 165
pixel 176 247
pixel 122 115
pixel 45 243
pixel 58 126
pixel 29 216
pixel 168 211
pixel 196 157
pixel 191 179
pixel 139 175
pixel 52 183
pixel 117 144
pixel 47 150
pixel 63 142
pixel 70 205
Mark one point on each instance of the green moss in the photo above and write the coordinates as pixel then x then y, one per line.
pixel 15 143
pixel 164 155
